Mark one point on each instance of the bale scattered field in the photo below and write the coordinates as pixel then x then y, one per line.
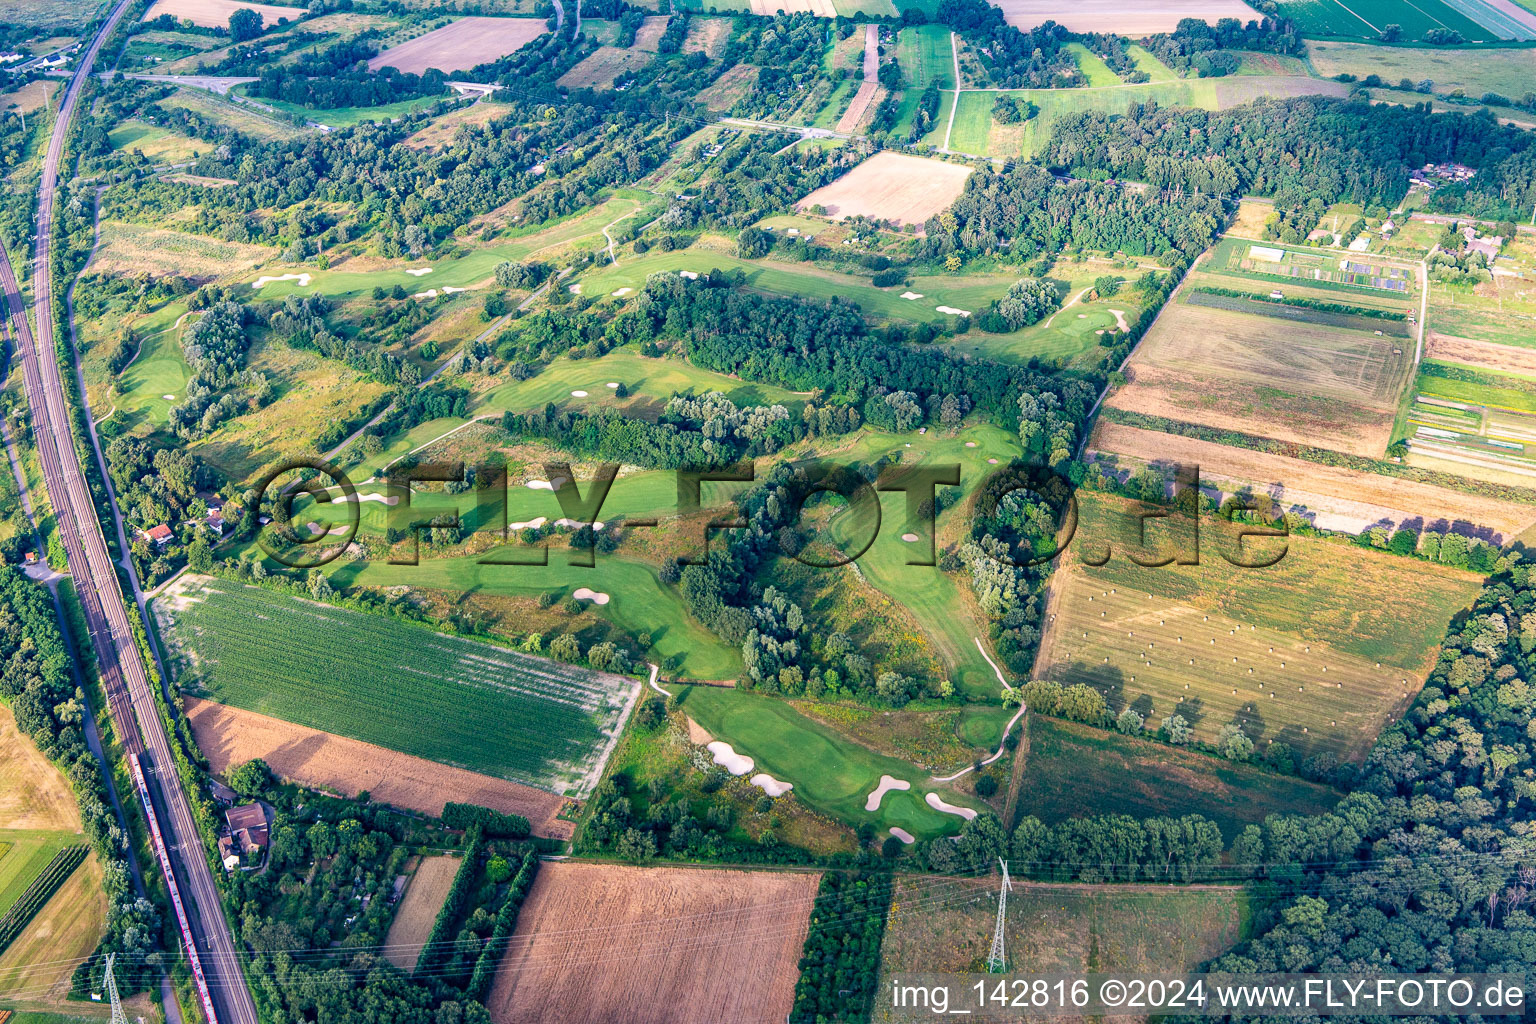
pixel 597 943
pixel 891 186
pixel 1292 381
pixel 215 13
pixel 461 44
pixel 230 736
pixel 1333 494
pixel 1133 18
pixel 1318 651
pixel 377 679
pixel 946 924
pixel 424 896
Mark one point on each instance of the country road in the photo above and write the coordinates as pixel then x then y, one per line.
pixel 130 697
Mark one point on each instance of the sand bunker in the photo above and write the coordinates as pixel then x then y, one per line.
pixel 430 293
pixel 691 275
pixel 1120 319
pixel 622 292
pixel 911 295
pixel 953 311
pixel 970 444
pixel 726 757
pixel 937 803
pixel 419 271
pixel 575 289
pixel 578 394
pixel 991 462
pixel 449 289
pixel 910 538
pixel 532 524
pixel 391 500
pixel 903 835
pixel 539 485
pixel 887 783
pixel 303 280
pixel 770 785
pixel 595 596
pixel 169 398
pixel 576 524
pixel 612 384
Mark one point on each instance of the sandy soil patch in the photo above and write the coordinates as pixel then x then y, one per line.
pixel 1333 488
pixel 595 596
pixel 887 783
pixel 597 943
pixel 698 734
pixel 215 13
pixel 1133 18
pixel 418 910
pixel 891 186
pixel 1482 354
pixel 461 45
pixel 770 785
pixel 903 835
pixel 229 736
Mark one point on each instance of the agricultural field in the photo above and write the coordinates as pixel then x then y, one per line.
pixel 946 924
pixel 417 913
pixel 32 96
pixel 67 929
pixel 1473 72
pixel 830 773
pixel 1368 17
pixel 598 942
pixel 1075 771
pixel 1329 497
pixel 349 673
pixel 1122 17
pixel 1501 311
pixel 230 736
pixel 158 144
pixel 891 186
pixel 600 68
pixel 1290 378
pixel 1318 651
pixel 241 118
pixel 1095 72
pixel 1486 427
pixel 215 13
pixel 462 44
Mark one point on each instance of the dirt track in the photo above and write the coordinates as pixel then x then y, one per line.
pixel 230 736
pixel 598 943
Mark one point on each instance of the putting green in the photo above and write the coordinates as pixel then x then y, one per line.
pixel 830 772
pixel 158 370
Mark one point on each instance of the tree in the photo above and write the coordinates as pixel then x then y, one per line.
pixel 1128 722
pixel 1392 33
pixel 250 779
pixel 565 647
pixel 636 846
pixel 497 870
pixel 199 557
pixel 986 786
pixel 753 243
pixel 1175 729
pixel 244 25
pixel 1233 744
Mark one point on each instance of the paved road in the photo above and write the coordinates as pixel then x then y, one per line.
pixel 129 696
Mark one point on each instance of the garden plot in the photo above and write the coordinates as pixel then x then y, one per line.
pixel 381 680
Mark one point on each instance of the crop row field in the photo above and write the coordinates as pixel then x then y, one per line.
pixel 1474 20
pixel 394 684
pixel 1319 650
pixel 1486 430
pixel 1290 377
pixel 1282 264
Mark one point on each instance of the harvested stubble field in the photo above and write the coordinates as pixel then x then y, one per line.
pixel 1302 382
pixel 1319 650
pixel 1076 770
pixel 424 896
pixel 597 943
pixel 67 930
pixel 768 8
pixel 1134 18
pixel 215 13
pixel 1305 486
pixel 461 44
pixel 33 795
pixel 230 736
pixel 378 679
pixel 892 186
pixel 1480 354
pixel 946 925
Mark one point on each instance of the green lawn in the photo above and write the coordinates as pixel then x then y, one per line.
pixel 934 598
pixel 1156 70
pixel 1076 771
pixel 830 773
pixel 345 117
pixel 159 370
pixel 381 680
pixel 925 56
pixel 456 272
pixel 1475 72
pixel 1093 66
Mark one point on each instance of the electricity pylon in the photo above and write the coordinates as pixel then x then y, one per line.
pixel 997 961
pixel 118 1016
